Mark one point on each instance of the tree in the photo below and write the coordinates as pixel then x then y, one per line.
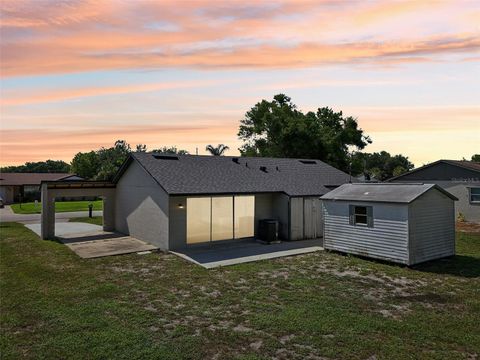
pixel 86 165
pixel 111 159
pixel 278 129
pixel 49 166
pixel 380 165
pixel 476 158
pixel 218 150
pixel 141 148
pixel 171 150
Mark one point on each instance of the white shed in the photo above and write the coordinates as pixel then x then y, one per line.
pixel 403 223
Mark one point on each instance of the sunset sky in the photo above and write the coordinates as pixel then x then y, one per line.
pixel 77 75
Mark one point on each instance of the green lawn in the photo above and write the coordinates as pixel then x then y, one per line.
pixel 96 220
pixel 158 306
pixel 60 206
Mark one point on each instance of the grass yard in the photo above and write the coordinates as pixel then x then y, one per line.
pixel 96 220
pixel 158 306
pixel 60 206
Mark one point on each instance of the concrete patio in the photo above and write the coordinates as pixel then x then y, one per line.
pixel 236 252
pixel 90 241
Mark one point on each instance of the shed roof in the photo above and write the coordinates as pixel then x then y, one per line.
pixel 30 178
pixel 391 193
pixel 197 174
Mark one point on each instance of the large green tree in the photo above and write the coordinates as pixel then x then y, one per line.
pixel 278 129
pixel 380 165
pixel 86 164
pixel 111 159
pixel 49 166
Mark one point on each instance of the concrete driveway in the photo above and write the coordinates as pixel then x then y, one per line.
pixel 241 251
pixel 6 215
pixel 90 241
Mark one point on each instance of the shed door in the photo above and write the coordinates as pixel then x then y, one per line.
pixel 296 218
pixel 313 219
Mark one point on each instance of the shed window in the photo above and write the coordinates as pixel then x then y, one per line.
pixel 475 195
pixel 361 215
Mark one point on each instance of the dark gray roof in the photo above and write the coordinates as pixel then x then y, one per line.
pixel 392 193
pixel 192 174
pixel 470 165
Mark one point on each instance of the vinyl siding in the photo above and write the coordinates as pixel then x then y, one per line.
pixel 432 227
pixel 387 239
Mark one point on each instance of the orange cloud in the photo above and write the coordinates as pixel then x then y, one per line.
pixel 91 35
pixel 23 98
pixel 37 144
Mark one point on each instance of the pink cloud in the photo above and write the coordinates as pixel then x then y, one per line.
pixel 89 35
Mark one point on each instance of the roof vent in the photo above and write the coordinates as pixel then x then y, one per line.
pixel 276 167
pixel 263 168
pixel 165 157
pixel 308 162
pixel 236 160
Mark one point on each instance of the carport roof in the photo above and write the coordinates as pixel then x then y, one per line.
pixel 10 179
pixel 197 174
pixel 391 193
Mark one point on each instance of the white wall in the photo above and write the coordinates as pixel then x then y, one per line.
pixel 387 239
pixel 432 227
pixel 141 207
pixel 471 212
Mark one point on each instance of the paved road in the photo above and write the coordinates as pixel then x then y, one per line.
pixel 6 214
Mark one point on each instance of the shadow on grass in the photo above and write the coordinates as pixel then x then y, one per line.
pixel 458 265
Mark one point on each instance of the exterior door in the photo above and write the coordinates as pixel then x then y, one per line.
pixel 296 218
pixel 313 219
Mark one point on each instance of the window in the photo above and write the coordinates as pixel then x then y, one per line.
pixel 361 215
pixel 475 195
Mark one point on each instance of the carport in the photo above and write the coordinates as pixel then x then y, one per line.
pixel 56 189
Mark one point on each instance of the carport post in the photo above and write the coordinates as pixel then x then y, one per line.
pixel 109 213
pixel 48 214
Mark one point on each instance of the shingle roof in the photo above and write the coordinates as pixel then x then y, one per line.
pixel 193 174
pixel 30 178
pixel 392 193
pixel 471 165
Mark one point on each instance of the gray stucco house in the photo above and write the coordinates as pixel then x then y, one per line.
pixel 460 178
pixel 173 201
pixel 403 223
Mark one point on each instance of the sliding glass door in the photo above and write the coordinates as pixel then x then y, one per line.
pixel 198 220
pixel 244 216
pixel 220 218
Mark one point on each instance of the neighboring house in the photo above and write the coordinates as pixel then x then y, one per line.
pixel 177 200
pixel 460 178
pixel 15 187
pixel 403 223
